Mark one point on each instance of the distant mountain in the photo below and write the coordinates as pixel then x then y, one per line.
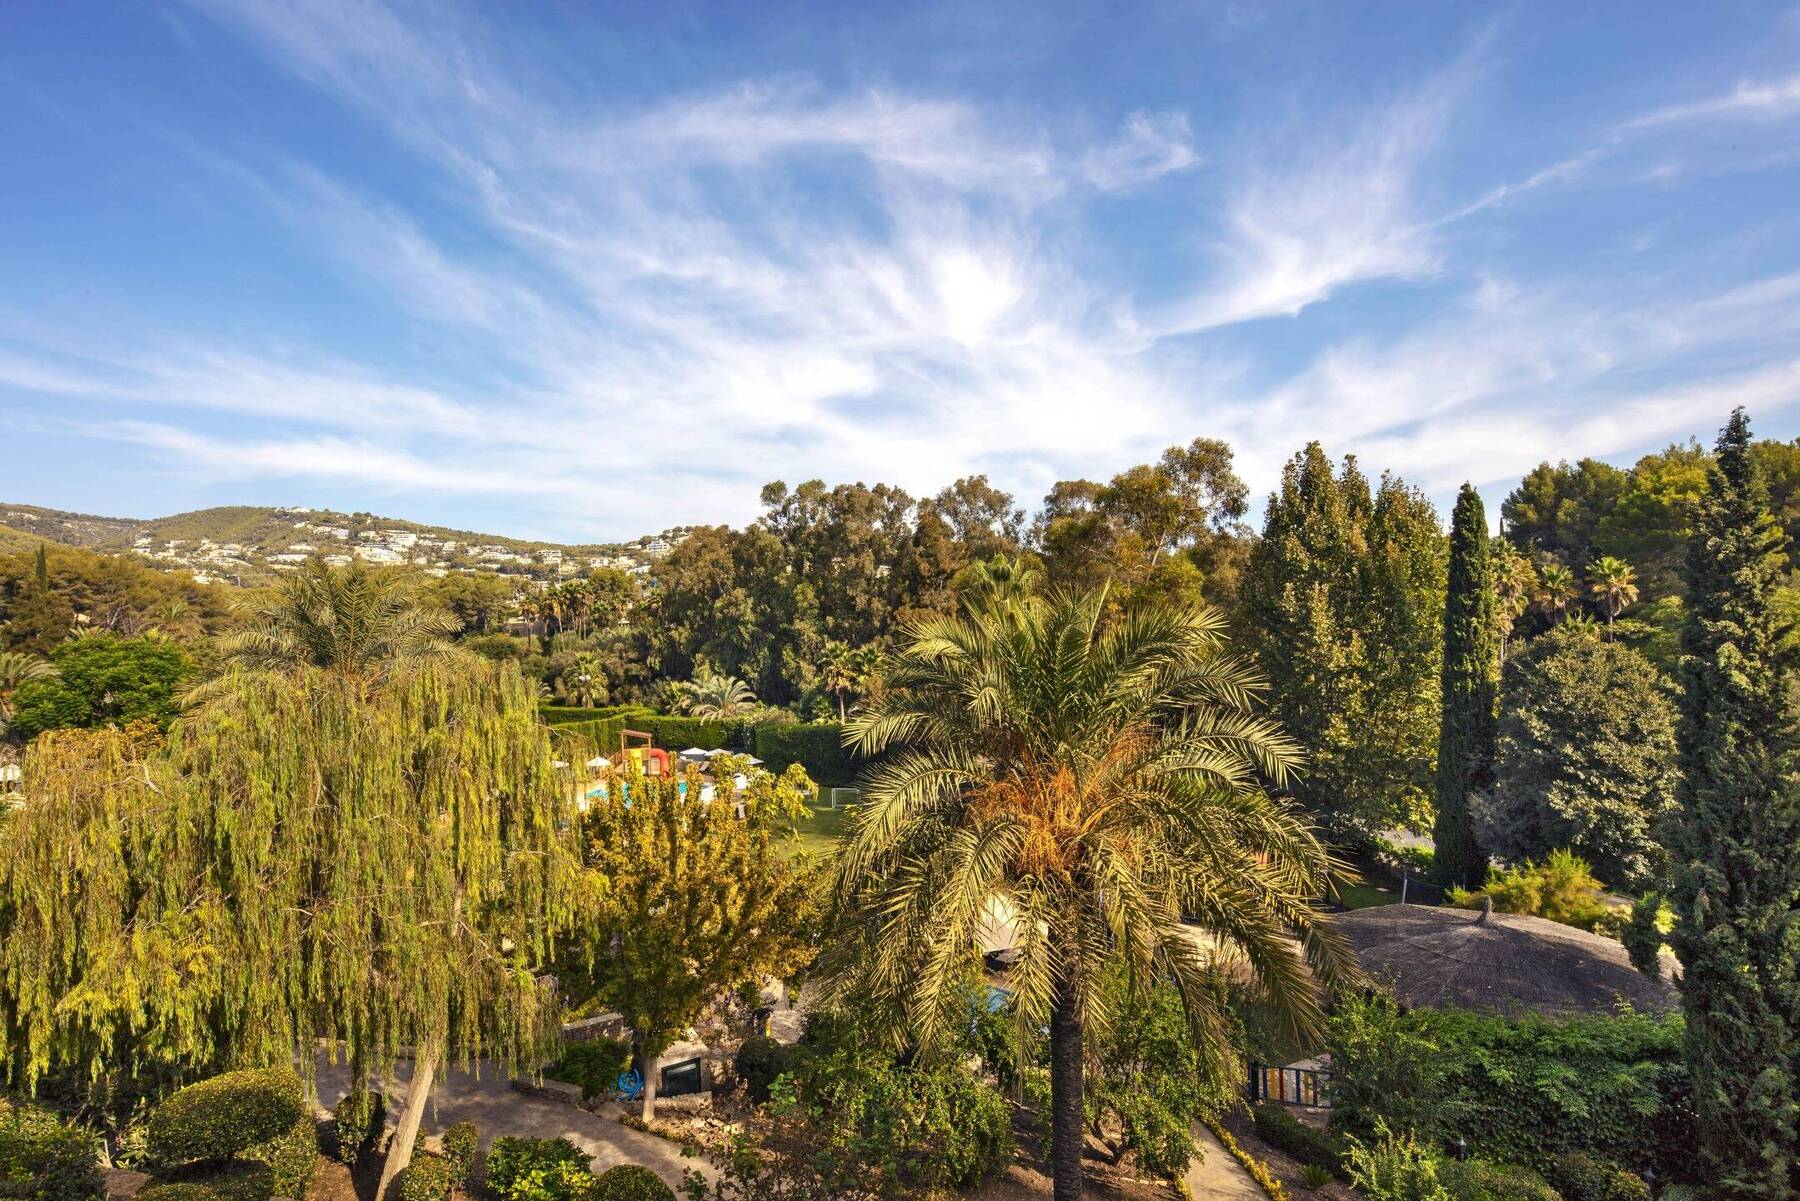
pixel 250 544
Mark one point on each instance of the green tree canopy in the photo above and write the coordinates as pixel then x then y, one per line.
pixel 699 899
pixel 103 679
pixel 1585 758
pixel 1342 604
pixel 1555 510
pixel 1094 787
pixel 1736 890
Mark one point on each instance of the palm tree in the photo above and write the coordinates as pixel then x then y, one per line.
pixel 16 668
pixel 714 697
pixel 1514 582
pixel 1100 787
pixel 585 681
pixel 837 672
pixel 1557 589
pixel 350 620
pixel 1613 585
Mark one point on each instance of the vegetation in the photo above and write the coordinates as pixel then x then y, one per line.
pixel 1465 755
pixel 459 1143
pixel 1586 757
pixel 43 1158
pixel 697 901
pixel 1562 889
pixel 426 1178
pixel 357 1123
pixel 102 679
pixel 1342 605
pixel 1096 776
pixel 1736 889
pixel 1515 1090
pixel 538 1169
pixel 631 1182
pixel 595 1064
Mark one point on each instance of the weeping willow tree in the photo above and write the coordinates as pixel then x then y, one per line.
pixel 315 855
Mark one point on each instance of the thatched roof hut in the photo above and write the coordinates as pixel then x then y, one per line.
pixel 1496 962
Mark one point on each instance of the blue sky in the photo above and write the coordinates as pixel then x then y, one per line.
pixel 584 271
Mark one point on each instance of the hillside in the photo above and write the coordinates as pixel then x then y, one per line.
pixel 248 544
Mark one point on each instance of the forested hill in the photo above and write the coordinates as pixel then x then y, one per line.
pixel 241 542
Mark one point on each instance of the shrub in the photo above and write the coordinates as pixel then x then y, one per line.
pixel 217 1118
pixel 459 1143
pixel 594 1064
pixel 1395 1167
pixel 291 1157
pixel 1279 1128
pixel 1478 1180
pixel 1314 1176
pixel 1562 888
pixel 816 746
pixel 1517 1090
pixel 759 1061
pixel 1582 1177
pixel 538 1169
pixel 357 1123
pixel 240 1180
pixel 44 1159
pixel 426 1178
pixel 631 1182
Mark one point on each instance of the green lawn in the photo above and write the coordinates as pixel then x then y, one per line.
pixel 821 829
pixel 1360 894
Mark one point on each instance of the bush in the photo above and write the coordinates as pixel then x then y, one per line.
pixel 426 1178
pixel 44 1159
pixel 1582 1177
pixel 291 1157
pixel 459 1143
pixel 1395 1167
pixel 816 746
pixel 1478 1180
pixel 538 1169
pixel 1279 1128
pixel 1562 889
pixel 218 1118
pixel 357 1123
pixel 630 1182
pixel 759 1061
pixel 1517 1090
pixel 240 1180
pixel 594 1064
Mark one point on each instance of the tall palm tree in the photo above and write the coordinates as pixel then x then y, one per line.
pixel 1515 580
pixel 353 620
pixel 1100 786
pixel 585 681
pixel 837 672
pixel 714 697
pixel 1557 589
pixel 16 668
pixel 1613 585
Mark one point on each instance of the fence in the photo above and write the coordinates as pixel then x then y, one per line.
pixel 1290 1085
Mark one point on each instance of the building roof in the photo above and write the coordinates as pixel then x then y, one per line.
pixel 1499 962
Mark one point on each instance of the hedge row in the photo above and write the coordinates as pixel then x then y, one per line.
pixel 818 747
pixel 44 1159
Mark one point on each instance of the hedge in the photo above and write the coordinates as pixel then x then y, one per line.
pixel 218 1118
pixel 357 1123
pixel 1281 1129
pixel 1581 1177
pixel 559 715
pixel 237 1181
pixel 291 1157
pixel 44 1159
pixel 816 746
pixel 759 1062
pixel 459 1143
pixel 538 1169
pixel 1518 1090
pixel 632 1182
pixel 426 1178
pixel 1478 1180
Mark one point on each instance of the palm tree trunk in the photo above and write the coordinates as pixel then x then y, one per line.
pixel 1067 1133
pixel 418 1092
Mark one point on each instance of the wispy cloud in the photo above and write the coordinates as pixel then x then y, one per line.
pixel 1150 146
pixel 1750 99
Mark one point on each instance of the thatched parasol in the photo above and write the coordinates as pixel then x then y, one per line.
pixel 1497 962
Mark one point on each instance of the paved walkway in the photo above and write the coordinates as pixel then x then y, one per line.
pixel 496 1109
pixel 1219 1177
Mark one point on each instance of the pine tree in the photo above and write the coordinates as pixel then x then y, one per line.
pixel 1465 758
pixel 1736 887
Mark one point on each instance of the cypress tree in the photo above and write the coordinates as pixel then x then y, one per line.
pixel 1465 759
pixel 1737 855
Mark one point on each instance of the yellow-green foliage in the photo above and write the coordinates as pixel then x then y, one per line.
pixel 1561 888
pixel 632 1182
pixel 218 1118
pixel 380 859
pixel 426 1178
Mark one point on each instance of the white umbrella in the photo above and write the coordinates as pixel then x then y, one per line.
pixel 599 761
pixel 694 752
pixel 752 760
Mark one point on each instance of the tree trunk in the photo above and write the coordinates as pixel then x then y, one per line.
pixel 1067 1121
pixel 647 1069
pixel 418 1093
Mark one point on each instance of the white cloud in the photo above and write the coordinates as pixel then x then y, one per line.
pixel 1150 146
pixel 1748 100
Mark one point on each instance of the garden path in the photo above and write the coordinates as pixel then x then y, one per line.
pixel 496 1109
pixel 1219 1177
